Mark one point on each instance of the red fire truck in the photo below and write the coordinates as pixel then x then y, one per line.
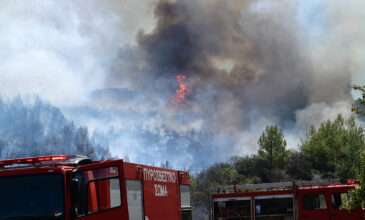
pixel 301 200
pixel 74 187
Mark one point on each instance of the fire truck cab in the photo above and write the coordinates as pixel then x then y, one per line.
pixel 302 200
pixel 74 187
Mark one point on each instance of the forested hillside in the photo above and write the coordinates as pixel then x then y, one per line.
pixel 332 151
pixel 32 128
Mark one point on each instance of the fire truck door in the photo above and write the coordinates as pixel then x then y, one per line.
pixel 337 199
pixel 99 192
pixel 135 199
pixel 313 206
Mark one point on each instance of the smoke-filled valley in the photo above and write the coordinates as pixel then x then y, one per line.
pixel 33 127
pixel 112 67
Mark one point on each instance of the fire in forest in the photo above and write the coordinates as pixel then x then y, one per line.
pixel 183 91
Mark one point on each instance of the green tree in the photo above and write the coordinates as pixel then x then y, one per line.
pixel 352 144
pixel 358 194
pixel 323 144
pixel 299 167
pixel 252 166
pixel 219 174
pixel 273 148
pixel 360 107
pixel 334 148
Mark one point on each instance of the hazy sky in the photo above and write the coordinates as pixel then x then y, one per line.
pixel 249 63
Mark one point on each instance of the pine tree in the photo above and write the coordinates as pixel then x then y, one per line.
pixel 273 148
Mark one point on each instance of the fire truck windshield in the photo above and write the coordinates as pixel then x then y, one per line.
pixel 37 196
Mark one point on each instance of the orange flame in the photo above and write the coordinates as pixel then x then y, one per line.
pixel 184 89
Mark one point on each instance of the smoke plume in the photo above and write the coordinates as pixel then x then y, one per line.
pixel 113 66
pixel 247 62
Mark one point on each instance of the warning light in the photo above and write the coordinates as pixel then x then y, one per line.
pixel 62 157
pixel 350 181
pixel 32 160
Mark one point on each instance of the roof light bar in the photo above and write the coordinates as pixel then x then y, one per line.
pixel 32 160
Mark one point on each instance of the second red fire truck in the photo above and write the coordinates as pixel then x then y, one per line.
pixel 301 200
pixel 74 187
